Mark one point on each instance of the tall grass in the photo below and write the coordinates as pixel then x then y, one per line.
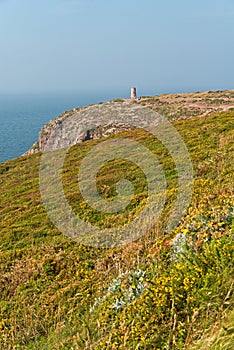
pixel 169 293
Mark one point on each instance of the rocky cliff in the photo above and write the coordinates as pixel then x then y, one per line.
pixel 67 129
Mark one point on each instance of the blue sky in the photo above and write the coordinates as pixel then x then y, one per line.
pixel 101 45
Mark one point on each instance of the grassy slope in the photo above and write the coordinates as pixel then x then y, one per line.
pixel 183 106
pixel 48 282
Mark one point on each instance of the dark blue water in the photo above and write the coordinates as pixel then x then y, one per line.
pixel 23 115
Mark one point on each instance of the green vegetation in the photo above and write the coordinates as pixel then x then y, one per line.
pixel 165 291
pixel 118 100
pixel 186 105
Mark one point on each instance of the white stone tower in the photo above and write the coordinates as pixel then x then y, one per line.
pixel 133 93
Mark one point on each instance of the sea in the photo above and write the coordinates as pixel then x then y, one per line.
pixel 23 115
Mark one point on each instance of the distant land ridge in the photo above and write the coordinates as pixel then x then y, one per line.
pixel 172 106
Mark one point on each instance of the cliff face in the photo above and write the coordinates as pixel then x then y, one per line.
pixel 78 125
pixel 74 127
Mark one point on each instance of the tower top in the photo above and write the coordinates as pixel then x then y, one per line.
pixel 133 93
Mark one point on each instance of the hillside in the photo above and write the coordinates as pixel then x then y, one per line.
pixel 183 106
pixel 164 291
